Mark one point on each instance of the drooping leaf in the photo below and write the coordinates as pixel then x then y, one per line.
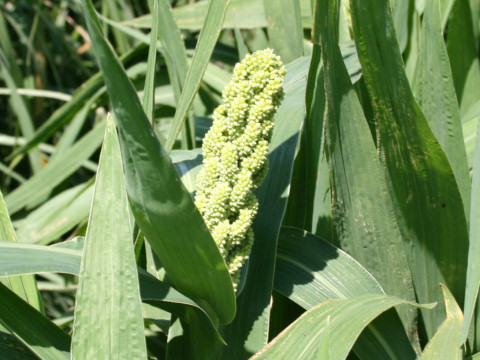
pixel 163 208
pixel 343 320
pixel 310 270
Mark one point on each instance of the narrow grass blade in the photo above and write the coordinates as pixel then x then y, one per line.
pixel 462 51
pixel 66 112
pixel 445 344
pixel 343 319
pixel 149 88
pixel 473 270
pixel 249 331
pixel 241 14
pixel 434 90
pixel 363 213
pixel 318 213
pixel 39 186
pixel 163 208
pixel 24 286
pixel 422 185
pixel 206 42
pixel 57 216
pixel 310 270
pixel 22 259
pixel 285 30
pixel 176 59
pixel 39 334
pixel 108 316
pixel 469 128
pixel 23 115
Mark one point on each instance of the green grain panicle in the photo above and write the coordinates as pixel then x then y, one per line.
pixel 235 155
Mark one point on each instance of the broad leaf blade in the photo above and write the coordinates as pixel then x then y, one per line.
pixel 363 213
pixel 108 316
pixel 433 88
pixel 421 182
pixel 163 208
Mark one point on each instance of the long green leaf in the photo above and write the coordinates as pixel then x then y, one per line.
pixel 20 108
pixel 462 47
pixel 39 334
pixel 241 14
pixel 57 216
pixel 149 88
pixel 343 319
pixel 473 271
pixel 310 270
pixel 176 59
pixel 34 190
pixel 108 316
pixel 422 185
pixel 317 188
pixel 66 112
pixel 163 208
pixel 24 286
pixel 249 331
pixel 364 220
pixel 21 259
pixel 206 42
pixel 433 88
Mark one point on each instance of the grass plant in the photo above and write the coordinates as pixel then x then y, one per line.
pixel 367 234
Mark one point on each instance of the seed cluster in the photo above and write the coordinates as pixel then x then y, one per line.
pixel 235 155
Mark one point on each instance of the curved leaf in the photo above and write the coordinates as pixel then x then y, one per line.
pixel 163 208
pixel 21 259
pixel 342 321
pixel 310 271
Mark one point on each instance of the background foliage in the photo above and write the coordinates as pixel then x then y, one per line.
pixel 367 238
